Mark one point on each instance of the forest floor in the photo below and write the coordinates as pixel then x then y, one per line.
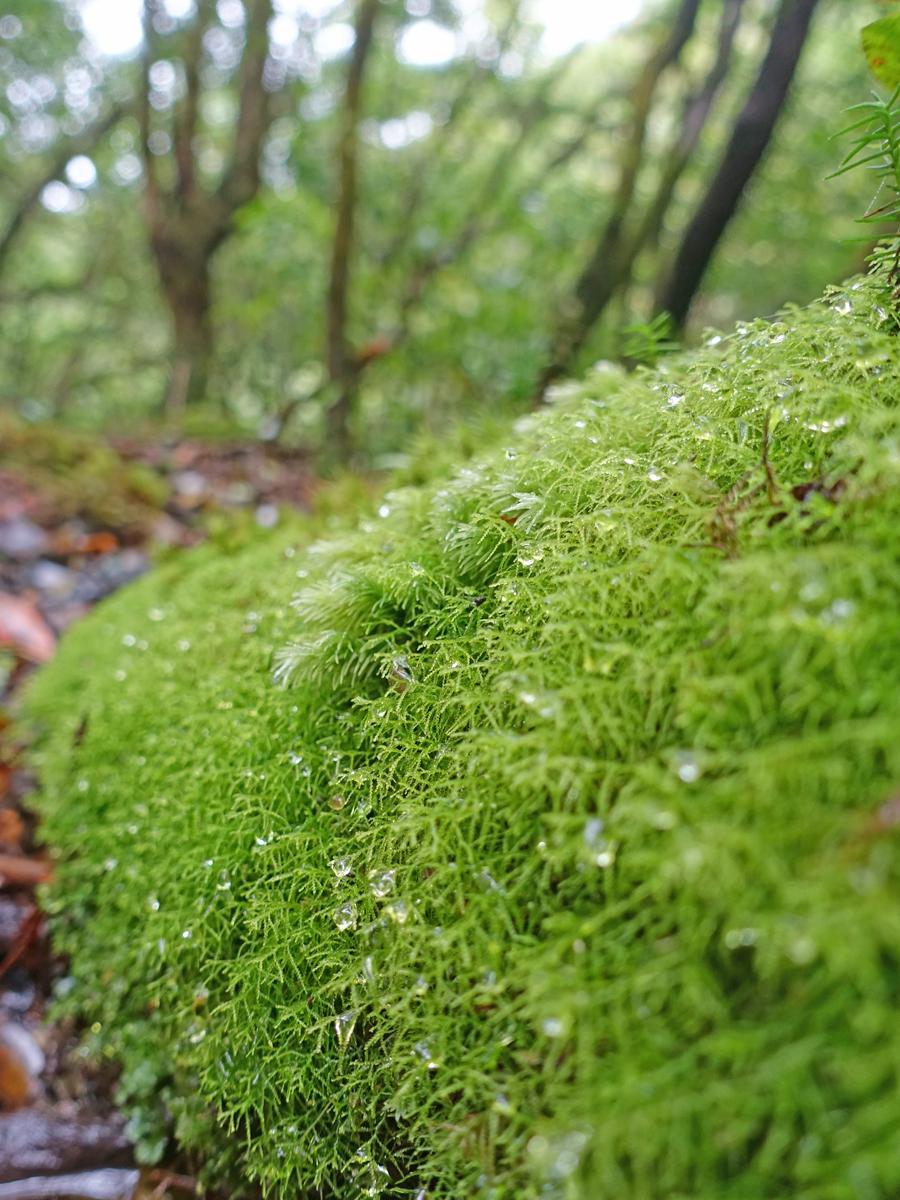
pixel 65 543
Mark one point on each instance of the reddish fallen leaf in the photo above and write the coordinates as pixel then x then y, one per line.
pixel 16 1082
pixel 24 870
pixel 24 631
pixel 66 542
pixel 12 827
pixel 508 519
pixel 28 931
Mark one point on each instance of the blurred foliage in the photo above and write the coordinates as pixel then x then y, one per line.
pixel 71 474
pixel 483 180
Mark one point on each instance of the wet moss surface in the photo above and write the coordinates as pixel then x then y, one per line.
pixel 561 859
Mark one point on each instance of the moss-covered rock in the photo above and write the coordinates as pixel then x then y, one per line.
pixel 565 864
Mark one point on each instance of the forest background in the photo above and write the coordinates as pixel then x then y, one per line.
pixel 331 224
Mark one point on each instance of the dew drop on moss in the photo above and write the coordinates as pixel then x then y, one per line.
pixel 344 1026
pixel 341 866
pixel 397 912
pixel 345 917
pixel 381 883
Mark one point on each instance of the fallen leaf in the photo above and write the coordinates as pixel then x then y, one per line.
pixel 24 631
pixel 16 1083
pixel 24 870
pixel 12 827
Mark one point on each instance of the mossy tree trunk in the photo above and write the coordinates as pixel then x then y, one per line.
pixel 186 221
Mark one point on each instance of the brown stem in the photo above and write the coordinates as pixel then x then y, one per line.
pixel 749 138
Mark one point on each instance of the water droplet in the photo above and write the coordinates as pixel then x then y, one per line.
pixel 686 766
pixel 161 945
pixel 83 785
pixel 344 1026
pixel 803 951
pixel 400 671
pixel 654 477
pixel 606 858
pixel 424 1052
pixel 129 639
pixel 153 903
pixel 592 830
pixel 120 675
pixel 345 917
pixel 341 867
pixel 187 935
pixel 397 912
pixel 552 1027
pixel 421 986
pixel 502 1105
pixel 184 644
pixel 111 864
pixel 336 803
pixel 381 883
pixel 369 971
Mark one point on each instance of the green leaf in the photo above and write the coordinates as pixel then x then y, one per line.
pixel 881 46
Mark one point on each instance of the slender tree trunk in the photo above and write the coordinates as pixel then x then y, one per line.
pixel 342 362
pixel 190 303
pixel 602 273
pixel 750 136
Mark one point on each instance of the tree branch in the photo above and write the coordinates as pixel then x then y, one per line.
pixel 184 126
pixel 749 138
pixel 72 146
pixel 241 180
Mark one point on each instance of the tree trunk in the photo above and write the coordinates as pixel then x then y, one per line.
pixel 185 281
pixel 749 138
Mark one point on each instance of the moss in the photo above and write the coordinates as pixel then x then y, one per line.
pixel 75 475
pixel 558 866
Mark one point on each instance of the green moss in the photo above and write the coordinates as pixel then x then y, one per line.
pixel 557 869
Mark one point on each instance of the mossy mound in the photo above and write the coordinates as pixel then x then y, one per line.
pixel 565 865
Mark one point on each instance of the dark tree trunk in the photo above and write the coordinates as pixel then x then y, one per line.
pixel 600 277
pixel 749 138
pixel 187 222
pixel 187 291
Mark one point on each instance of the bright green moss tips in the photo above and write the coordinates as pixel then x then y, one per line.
pixel 558 868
